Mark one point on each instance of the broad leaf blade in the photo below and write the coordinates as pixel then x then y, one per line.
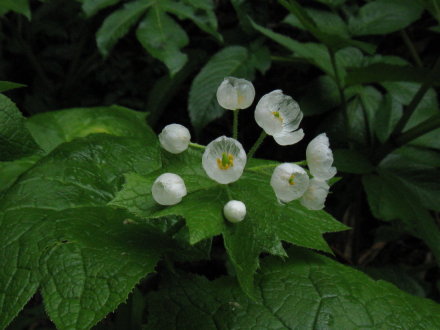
pixel 306 291
pixel 8 85
pixel 15 140
pixel 91 7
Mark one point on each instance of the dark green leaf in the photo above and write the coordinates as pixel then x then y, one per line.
pixel 163 38
pixel 351 161
pixel 387 117
pixel 7 85
pixel 10 171
pixel 381 72
pixel 119 23
pixel 308 291
pixel 384 16
pixel 15 140
pixel 267 222
pixel 202 104
pixel 58 234
pixel 322 95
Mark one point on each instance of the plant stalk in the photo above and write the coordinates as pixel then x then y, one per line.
pixel 235 125
pixel 256 145
pixel 411 48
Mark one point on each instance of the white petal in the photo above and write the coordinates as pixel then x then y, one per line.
pixel 320 158
pixel 289 181
pixel 168 189
pixel 234 93
pixel 234 211
pixel 315 195
pixel 213 154
pixel 277 113
pixel 175 138
pixel 289 138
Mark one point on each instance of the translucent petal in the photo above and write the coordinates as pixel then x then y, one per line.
pixel 315 195
pixel 234 93
pixel 234 211
pixel 168 189
pixel 175 138
pixel 289 181
pixel 289 138
pixel 214 153
pixel 320 158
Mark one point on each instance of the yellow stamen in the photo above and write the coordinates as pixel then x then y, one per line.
pixel 291 180
pixel 240 99
pixel 226 161
pixel 277 115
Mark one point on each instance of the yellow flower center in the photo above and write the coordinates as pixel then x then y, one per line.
pixel 240 99
pixel 291 180
pixel 277 115
pixel 226 161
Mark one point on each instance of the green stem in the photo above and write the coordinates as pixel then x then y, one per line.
pixel 228 192
pixel 235 125
pixel 416 99
pixel 340 89
pixel 411 48
pixel 197 146
pixel 423 128
pixel 263 167
pixel 256 145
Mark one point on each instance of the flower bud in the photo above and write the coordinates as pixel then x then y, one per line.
pixel 289 181
pixel 315 195
pixel 320 158
pixel 168 189
pixel 234 93
pixel 175 138
pixel 234 211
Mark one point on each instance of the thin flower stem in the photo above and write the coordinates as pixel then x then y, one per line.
pixel 228 192
pixel 197 146
pixel 263 167
pixel 256 145
pixel 235 125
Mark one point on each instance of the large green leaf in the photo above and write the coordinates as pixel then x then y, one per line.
pixel 18 6
pixel 384 16
pixel 9 171
pixel 119 23
pixel 50 129
pixel 267 222
pixel 308 291
pixel 202 104
pixel 15 139
pixel 58 234
pixel 163 38
pixel 387 117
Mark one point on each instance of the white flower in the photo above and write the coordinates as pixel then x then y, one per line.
pixel 168 189
pixel 315 195
pixel 289 181
pixel 234 93
pixel 224 160
pixel 279 115
pixel 175 138
pixel 234 211
pixel 320 158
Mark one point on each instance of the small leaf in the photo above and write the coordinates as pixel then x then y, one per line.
pixel 91 7
pixel 351 161
pixel 7 85
pixel 163 38
pixel 15 140
pixel 202 104
pixel 119 23
pixel 384 16
pixel 306 291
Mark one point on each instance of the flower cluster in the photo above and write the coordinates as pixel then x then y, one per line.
pixel 224 159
